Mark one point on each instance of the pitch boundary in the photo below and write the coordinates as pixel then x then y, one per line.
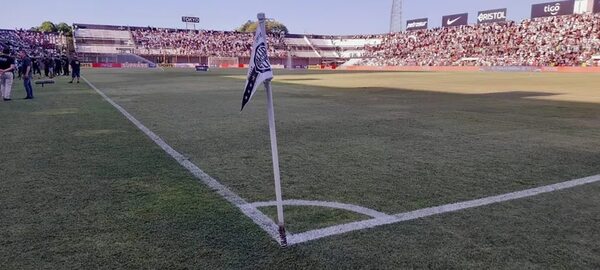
pixel 447 208
pixel 271 228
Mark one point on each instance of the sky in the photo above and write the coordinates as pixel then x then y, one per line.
pixel 340 17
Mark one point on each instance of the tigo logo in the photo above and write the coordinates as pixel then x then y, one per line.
pixel 552 9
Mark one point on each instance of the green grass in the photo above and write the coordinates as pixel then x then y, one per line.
pixel 392 150
pixel 82 188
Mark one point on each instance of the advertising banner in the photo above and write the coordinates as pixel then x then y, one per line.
pixel 187 19
pixel 417 24
pixel 107 65
pixel 455 20
pixel 202 68
pixel 186 65
pixel 475 69
pixel 491 16
pixel 552 9
pixel 134 65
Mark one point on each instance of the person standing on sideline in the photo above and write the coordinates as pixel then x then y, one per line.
pixel 75 69
pixel 26 69
pixel 36 67
pixel 7 65
pixel 65 62
pixel 47 66
pixel 57 66
pixel 52 69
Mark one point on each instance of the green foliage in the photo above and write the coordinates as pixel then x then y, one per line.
pixel 47 27
pixel 64 28
pixel 271 25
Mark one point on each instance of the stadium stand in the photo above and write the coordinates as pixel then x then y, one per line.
pixel 201 43
pixel 571 40
pixel 103 41
pixel 35 43
pixel 553 41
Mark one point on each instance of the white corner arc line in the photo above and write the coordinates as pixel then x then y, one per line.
pixel 335 205
pixel 252 212
pixel 360 225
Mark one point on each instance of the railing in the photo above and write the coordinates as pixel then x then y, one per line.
pixel 313 47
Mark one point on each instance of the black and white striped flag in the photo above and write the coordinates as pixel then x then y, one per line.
pixel 259 69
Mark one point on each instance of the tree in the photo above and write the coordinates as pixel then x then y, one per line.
pixel 246 26
pixel 65 29
pixel 47 27
pixel 272 26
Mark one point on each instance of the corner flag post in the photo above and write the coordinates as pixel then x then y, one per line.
pixel 274 151
pixel 259 72
pixel 275 155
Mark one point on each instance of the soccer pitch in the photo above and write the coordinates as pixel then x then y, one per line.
pixel 381 142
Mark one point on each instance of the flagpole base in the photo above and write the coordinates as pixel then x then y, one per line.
pixel 283 236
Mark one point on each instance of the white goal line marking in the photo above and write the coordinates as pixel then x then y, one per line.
pixel 269 226
pixel 249 210
pixel 426 212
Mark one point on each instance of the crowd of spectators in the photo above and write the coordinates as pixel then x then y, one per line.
pixel 46 41
pixel 204 43
pixel 553 41
pixel 33 42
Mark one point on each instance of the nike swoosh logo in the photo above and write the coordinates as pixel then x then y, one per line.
pixel 450 22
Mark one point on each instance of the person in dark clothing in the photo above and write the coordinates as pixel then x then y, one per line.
pixel 75 68
pixel 57 66
pixel 65 61
pixel 47 65
pixel 36 66
pixel 26 70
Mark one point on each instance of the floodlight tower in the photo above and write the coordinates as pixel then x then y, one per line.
pixel 396 17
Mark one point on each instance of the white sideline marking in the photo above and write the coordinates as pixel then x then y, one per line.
pixel 257 216
pixel 360 225
pixel 271 228
pixel 348 207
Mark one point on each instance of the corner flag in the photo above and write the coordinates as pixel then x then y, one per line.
pixel 259 69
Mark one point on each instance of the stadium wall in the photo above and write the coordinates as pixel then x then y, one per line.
pixel 372 68
pixel 476 69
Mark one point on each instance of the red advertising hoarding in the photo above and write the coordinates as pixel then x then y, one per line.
pixel 107 65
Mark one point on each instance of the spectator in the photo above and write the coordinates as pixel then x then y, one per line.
pixel 7 66
pixel 26 71
pixel 75 69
